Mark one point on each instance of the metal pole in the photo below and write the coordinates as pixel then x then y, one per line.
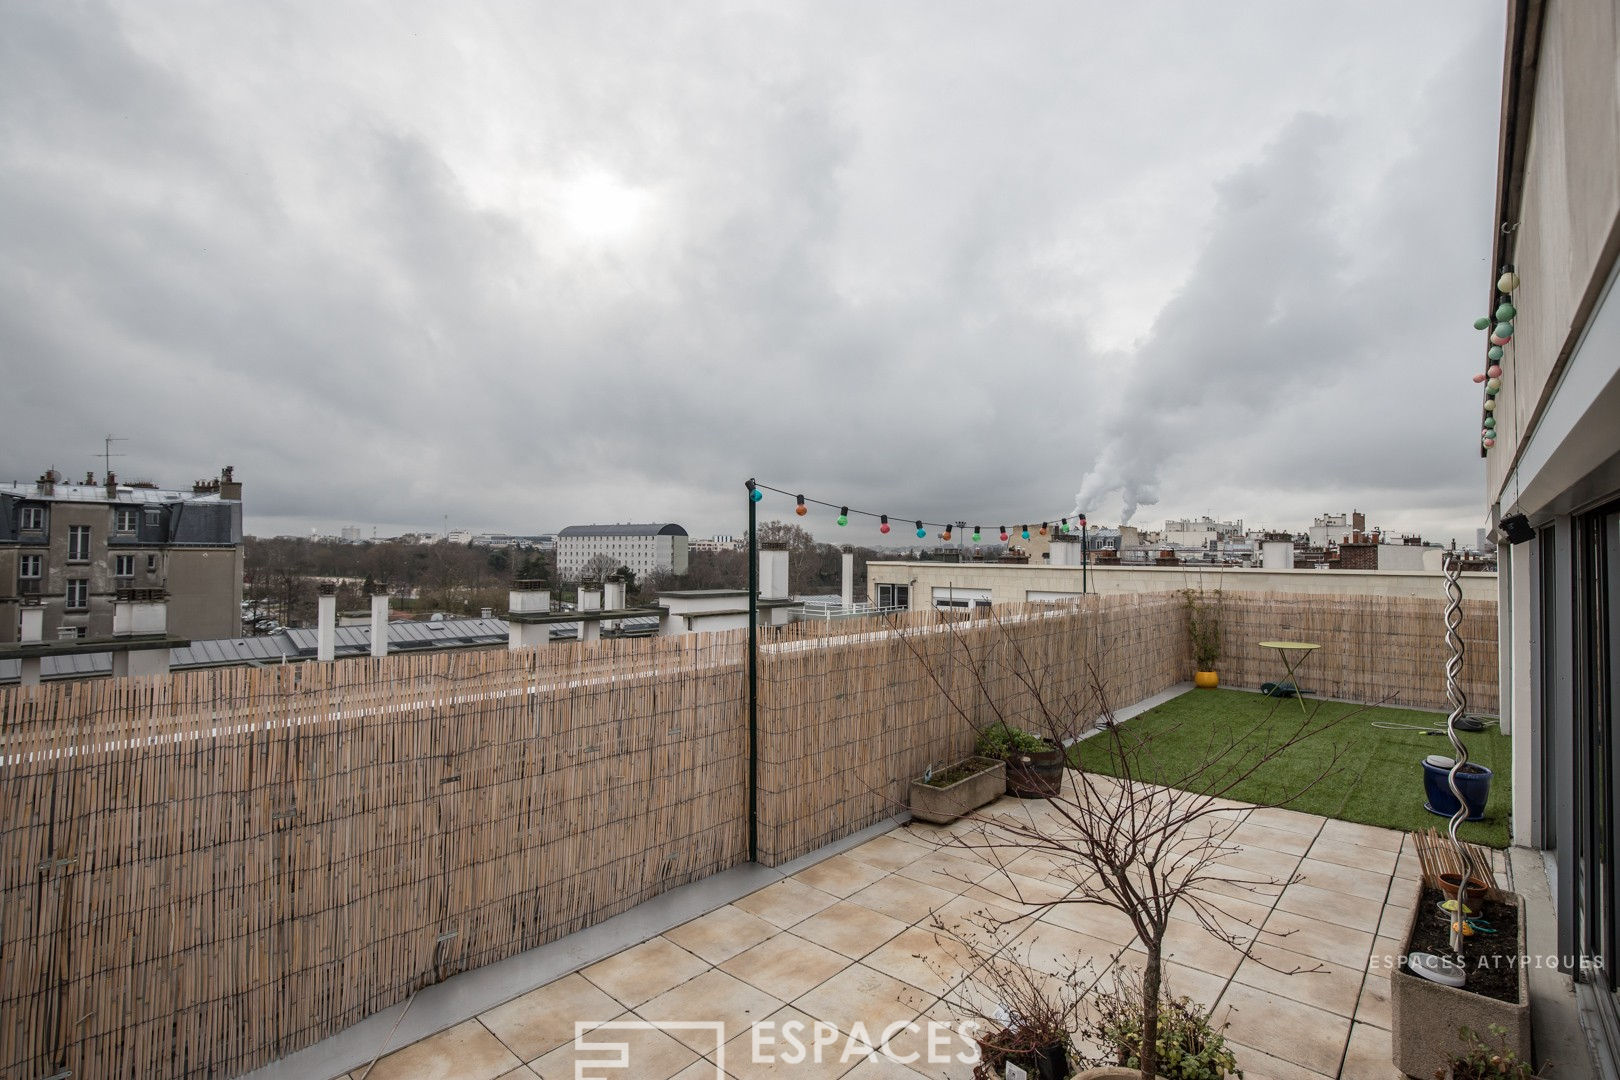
pixel 1085 558
pixel 753 679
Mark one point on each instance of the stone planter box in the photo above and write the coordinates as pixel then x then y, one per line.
pixel 943 805
pixel 1425 1016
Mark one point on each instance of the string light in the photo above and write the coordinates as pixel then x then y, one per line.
pixel 922 533
pixel 1504 330
pixel 942 530
pixel 1494 352
pixel 975 534
pixel 1506 311
pixel 883 527
pixel 1043 528
pixel 1024 529
pixel 801 509
pixel 754 492
pixel 1482 322
pixel 843 516
pixel 1004 534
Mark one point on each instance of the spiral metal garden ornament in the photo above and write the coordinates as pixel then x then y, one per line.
pixel 1459 705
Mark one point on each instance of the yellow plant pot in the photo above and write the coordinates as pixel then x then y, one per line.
pixel 1206 680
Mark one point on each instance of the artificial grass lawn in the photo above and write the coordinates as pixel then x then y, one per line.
pixel 1378 779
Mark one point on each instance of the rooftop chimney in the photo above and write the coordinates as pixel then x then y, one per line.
pixel 590 596
pixel 773 571
pixel 613 595
pixel 527 598
pixel 848 593
pixel 326 622
pixel 379 624
pixel 33 629
pixel 140 612
pixel 112 486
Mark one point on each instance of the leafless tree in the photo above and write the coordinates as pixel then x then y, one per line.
pixel 1117 841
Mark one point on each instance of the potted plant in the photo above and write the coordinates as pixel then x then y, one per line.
pixel 1028 1016
pixel 1483 1061
pixel 1034 764
pixel 1427 1015
pixel 1189 1046
pixel 1204 630
pixel 941 796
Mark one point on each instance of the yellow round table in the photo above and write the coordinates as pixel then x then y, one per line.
pixel 1293 663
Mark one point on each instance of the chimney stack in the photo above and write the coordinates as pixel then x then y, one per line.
pixel 848 592
pixel 613 595
pixel 33 629
pixel 773 571
pixel 527 598
pixel 326 622
pixel 379 624
pixel 140 613
pixel 590 596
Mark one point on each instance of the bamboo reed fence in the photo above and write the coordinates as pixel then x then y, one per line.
pixel 1376 649
pixel 847 720
pixel 206 872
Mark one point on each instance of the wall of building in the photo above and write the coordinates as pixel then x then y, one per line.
pixel 1566 220
pixel 1013 583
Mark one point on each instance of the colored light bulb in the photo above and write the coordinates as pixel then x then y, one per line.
pixel 1482 322
pixel 843 515
pixel 756 494
pixel 1488 443
pixel 1494 371
pixel 922 533
pixel 1508 282
pixel 1025 532
pixel 1503 330
pixel 975 534
pixel 1506 311
pixel 800 509
pixel 883 525
pixel 1493 385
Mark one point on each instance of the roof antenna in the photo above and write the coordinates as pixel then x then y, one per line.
pixel 106 452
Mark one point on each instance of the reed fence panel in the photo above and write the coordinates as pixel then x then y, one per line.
pixel 205 873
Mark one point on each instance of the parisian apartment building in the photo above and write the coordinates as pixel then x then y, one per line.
pixel 643 548
pixel 71 547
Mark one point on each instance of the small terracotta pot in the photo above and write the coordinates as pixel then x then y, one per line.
pixel 1473 896
pixel 1206 680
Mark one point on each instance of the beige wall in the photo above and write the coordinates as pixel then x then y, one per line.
pixel 1011 583
pixel 205 592
pixel 1570 204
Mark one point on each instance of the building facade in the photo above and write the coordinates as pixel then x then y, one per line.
pixel 1552 472
pixel 645 549
pixel 70 548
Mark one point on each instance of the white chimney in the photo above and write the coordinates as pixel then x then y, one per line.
pixel 140 612
pixel 487 613
pixel 379 624
pixel 1277 554
pixel 849 580
pixel 326 624
pixel 527 598
pixel 33 629
pixel 590 598
pixel 590 629
pixel 613 595
pixel 773 572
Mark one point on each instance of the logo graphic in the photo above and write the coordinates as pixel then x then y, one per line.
pixel 592 1068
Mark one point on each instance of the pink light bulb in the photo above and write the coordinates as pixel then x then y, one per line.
pixel 1494 371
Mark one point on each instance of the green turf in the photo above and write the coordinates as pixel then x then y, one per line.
pixel 1377 779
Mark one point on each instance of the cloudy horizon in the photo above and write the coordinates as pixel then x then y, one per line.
pixel 509 267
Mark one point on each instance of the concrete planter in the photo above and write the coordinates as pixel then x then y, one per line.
pixel 1425 1016
pixel 943 805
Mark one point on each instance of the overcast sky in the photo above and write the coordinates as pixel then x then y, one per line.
pixel 514 266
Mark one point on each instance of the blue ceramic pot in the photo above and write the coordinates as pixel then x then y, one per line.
pixel 1475 788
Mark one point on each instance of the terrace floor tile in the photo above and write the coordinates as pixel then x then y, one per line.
pixel 641 973
pixel 722 933
pixel 849 929
pixel 465 1052
pixel 786 966
pixel 543 1019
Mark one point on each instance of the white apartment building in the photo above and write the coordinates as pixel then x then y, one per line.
pixel 644 549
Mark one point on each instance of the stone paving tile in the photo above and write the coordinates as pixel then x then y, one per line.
pixel 786 966
pixel 858 994
pixel 1259 1065
pixel 1351 911
pixel 841 875
pixel 786 902
pixel 1379 861
pixel 1368 884
pixel 849 929
pixel 786 1046
pixel 1093 920
pixel 888 852
pixel 1292 820
pixel 652 1054
pixel 1254 835
pixel 1369 1055
pixel 919 957
pixel 645 971
pixel 946 871
pixel 1340 945
pixel 1306 1036
pixel 1350 832
pixel 543 1019
pixel 1314 982
pixel 722 933
pixel 903 899
pixel 712 996
pixel 1373 1007
pixel 465 1052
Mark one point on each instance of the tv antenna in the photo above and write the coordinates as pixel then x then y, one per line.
pixel 106 451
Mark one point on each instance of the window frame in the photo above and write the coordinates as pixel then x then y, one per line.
pixel 122 560
pixel 24 561
pixel 79 552
pixel 126 519
pixel 80 586
pixel 34 513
